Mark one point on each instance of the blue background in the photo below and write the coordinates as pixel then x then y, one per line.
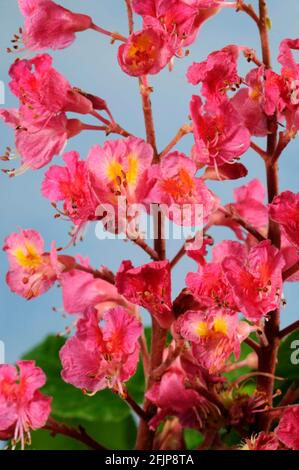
pixel 90 63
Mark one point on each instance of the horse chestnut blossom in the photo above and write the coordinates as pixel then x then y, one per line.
pixel 145 52
pixel 287 430
pixel 257 281
pixel 181 19
pixel 32 271
pixel 148 286
pixel 70 184
pixel 214 336
pixel 219 133
pixel 184 345
pixel 22 406
pixel 284 209
pixel 102 356
pixel 176 186
pixel 218 74
pixel 62 24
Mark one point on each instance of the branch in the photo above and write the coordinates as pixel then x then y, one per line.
pixel 249 10
pixel 114 36
pixel 184 130
pixel 259 151
pixel 177 258
pixel 253 345
pixel 78 434
pixel 145 355
pixel 268 353
pixel 172 355
pixel 289 329
pixel 130 15
pixel 290 271
pixel 104 274
pixel 135 407
pixel 145 435
pixel 145 247
pixel 284 140
pixel 145 91
pixel 243 224
pixel 292 395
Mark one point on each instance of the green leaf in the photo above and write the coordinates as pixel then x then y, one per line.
pixel 192 438
pixel 104 415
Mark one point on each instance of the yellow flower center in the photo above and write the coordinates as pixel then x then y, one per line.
pixel 28 257
pixel 202 329
pixel 118 176
pixel 220 326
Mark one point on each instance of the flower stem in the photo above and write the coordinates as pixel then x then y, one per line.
pixel 184 130
pixel 289 329
pixel 78 434
pixel 130 15
pixel 105 32
pixel 268 353
pixel 145 435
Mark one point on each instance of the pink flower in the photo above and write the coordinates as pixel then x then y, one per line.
pixel 285 210
pixel 188 200
pixel 249 203
pixel 290 77
pixel 172 398
pixel 148 286
pixel 220 136
pixel 118 174
pixel 119 169
pixel 218 74
pixel 262 441
pixel 44 92
pixel 31 270
pixel 288 428
pixel 38 141
pixel 101 356
pixel 197 248
pixel 248 106
pixel 70 184
pixel 257 282
pixel 145 52
pixel 210 288
pixel 81 290
pixel 181 19
pixel 290 255
pixel 22 406
pixel 213 335
pixel 62 24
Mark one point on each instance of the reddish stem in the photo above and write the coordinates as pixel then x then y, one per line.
pixel 145 436
pixel 248 9
pixel 268 353
pixel 105 32
pixel 290 271
pixel 289 329
pixel 106 275
pixel 130 15
pixel 78 434
pixel 145 247
pixel 184 130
